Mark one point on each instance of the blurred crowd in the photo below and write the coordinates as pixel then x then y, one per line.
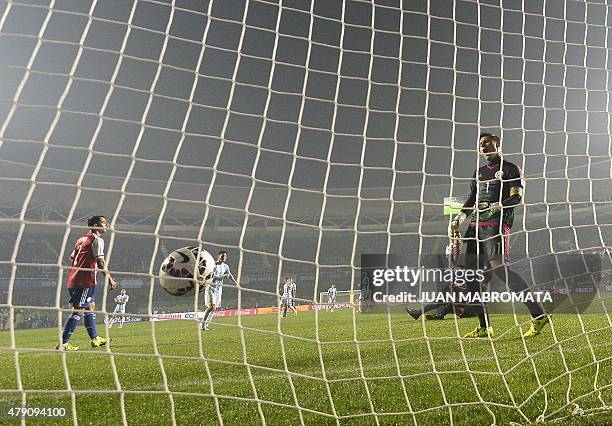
pixel 28 320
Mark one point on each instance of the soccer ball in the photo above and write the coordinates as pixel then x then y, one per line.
pixel 180 273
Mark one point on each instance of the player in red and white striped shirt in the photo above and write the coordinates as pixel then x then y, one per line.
pixel 86 259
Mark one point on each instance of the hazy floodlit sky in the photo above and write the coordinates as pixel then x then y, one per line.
pixel 363 103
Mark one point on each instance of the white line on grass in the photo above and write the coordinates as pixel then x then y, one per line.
pixel 380 366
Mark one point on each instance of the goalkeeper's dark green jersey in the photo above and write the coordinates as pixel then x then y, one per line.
pixel 496 182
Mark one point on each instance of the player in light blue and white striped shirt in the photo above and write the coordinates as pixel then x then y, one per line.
pixel 331 296
pixel 214 290
pixel 293 293
pixel 286 296
pixel 121 301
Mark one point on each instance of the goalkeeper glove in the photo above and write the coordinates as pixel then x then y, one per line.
pixel 453 229
pixel 490 207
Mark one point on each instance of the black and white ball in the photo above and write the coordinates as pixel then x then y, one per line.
pixel 180 273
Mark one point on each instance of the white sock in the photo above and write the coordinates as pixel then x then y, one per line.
pixel 209 319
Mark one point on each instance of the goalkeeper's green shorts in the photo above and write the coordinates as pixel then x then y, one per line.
pixel 488 242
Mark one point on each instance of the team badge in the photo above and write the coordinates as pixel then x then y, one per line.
pixel 499 174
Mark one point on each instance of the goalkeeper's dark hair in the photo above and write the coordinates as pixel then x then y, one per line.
pixel 490 136
pixel 94 221
pixel 222 252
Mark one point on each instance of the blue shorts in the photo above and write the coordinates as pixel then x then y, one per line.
pixel 82 296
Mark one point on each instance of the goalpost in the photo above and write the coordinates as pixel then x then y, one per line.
pixel 298 135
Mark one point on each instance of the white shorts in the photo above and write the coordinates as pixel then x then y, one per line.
pixel 119 309
pixel 212 295
pixel 331 300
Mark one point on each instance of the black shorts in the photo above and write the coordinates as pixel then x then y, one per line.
pixel 491 242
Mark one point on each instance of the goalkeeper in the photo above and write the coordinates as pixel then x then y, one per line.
pixel 496 188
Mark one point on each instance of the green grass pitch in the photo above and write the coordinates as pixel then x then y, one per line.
pixel 365 367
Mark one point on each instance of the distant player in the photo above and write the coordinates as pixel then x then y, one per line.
pixel 286 297
pixel 214 290
pixel 361 303
pixel 496 188
pixel 293 293
pixel 364 293
pixel 120 301
pixel 86 259
pixel 331 296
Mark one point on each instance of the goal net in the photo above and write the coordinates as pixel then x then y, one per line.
pixel 298 136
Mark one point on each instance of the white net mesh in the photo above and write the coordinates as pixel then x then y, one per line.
pixel 297 136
